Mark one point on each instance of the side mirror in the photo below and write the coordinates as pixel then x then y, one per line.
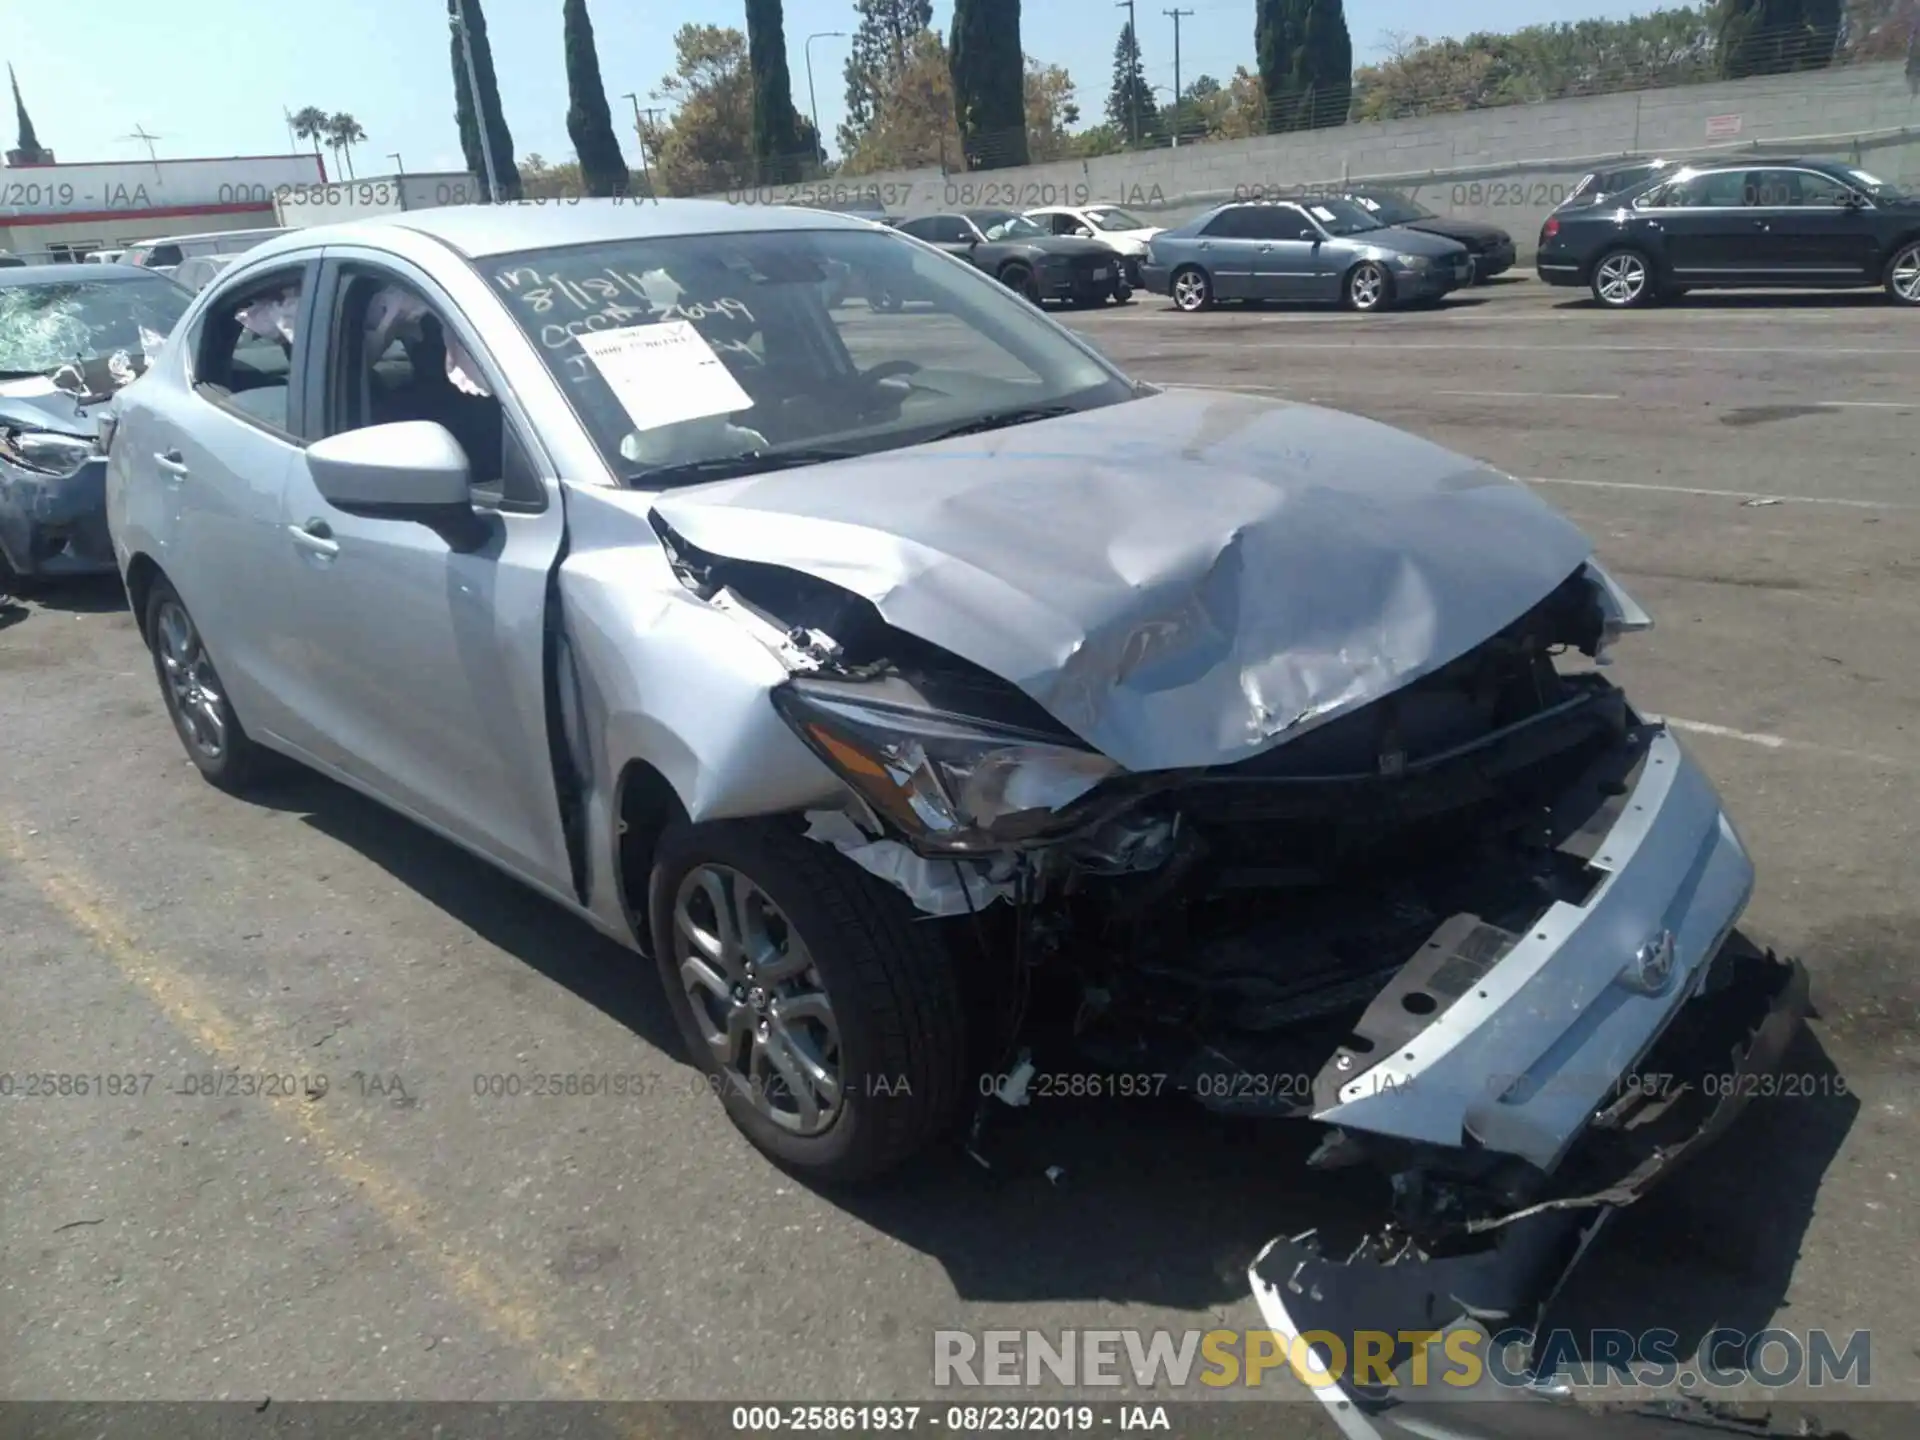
pixel 1311 236
pixel 410 471
pixel 1855 200
pixel 1083 232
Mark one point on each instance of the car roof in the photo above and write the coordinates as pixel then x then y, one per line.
pixel 55 274
pixel 269 231
pixel 480 231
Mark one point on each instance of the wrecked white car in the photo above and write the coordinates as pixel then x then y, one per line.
pixel 891 675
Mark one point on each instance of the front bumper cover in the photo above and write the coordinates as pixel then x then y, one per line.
pixel 1507 1282
pixel 56 526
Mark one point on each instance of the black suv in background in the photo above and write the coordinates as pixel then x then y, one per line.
pixel 1806 224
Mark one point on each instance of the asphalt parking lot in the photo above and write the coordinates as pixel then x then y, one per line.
pixel 1750 468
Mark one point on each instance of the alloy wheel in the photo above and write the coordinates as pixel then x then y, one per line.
pixel 1905 277
pixel 1190 290
pixel 193 690
pixel 758 998
pixel 1368 288
pixel 1621 278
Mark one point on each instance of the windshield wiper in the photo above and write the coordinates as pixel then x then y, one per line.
pixel 731 467
pixel 1004 419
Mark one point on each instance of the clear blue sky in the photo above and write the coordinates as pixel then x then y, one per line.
pixel 212 77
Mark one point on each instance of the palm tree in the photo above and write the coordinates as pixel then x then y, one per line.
pixel 310 123
pixel 343 133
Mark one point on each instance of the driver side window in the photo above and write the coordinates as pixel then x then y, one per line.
pixel 392 357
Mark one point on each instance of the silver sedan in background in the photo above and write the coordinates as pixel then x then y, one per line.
pixel 1315 250
pixel 897 677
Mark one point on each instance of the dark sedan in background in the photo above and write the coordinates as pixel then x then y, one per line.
pixel 1491 247
pixel 70 337
pixel 1806 224
pixel 1027 256
pixel 1323 249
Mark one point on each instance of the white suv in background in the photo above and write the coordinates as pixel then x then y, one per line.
pixel 1109 224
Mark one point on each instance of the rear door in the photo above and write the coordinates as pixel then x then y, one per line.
pixel 1708 229
pixel 422 665
pixel 1226 247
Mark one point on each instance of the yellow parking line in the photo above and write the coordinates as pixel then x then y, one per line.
pixel 507 1305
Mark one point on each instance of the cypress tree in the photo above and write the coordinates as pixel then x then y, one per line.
pixel 988 70
pixel 27 148
pixel 1306 63
pixel 776 138
pixel 603 169
pixel 499 138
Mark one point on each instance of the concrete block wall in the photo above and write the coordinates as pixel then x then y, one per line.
pixel 1510 165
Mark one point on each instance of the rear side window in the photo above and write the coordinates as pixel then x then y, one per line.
pixel 1234 224
pixel 245 357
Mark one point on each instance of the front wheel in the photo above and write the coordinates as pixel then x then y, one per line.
pixel 1369 287
pixel 1123 295
pixel 1192 289
pixel 826 1016
pixel 1020 278
pixel 196 701
pixel 1903 274
pixel 1622 279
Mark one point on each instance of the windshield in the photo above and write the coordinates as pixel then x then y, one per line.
pixel 1007 225
pixel 1392 209
pixel 43 327
pixel 1113 218
pixel 686 356
pixel 1341 217
pixel 1876 187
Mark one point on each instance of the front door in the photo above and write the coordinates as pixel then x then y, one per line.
pixel 1810 231
pixel 1288 265
pixel 425 664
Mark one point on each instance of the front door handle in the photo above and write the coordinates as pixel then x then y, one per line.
pixel 316 538
pixel 1761 225
pixel 171 463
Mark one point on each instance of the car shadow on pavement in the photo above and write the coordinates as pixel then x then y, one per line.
pixel 81 595
pixel 511 917
pixel 1709 301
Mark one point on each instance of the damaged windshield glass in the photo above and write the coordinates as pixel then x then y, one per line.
pixel 74 322
pixel 693 357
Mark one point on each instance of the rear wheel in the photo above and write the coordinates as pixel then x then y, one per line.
pixel 1192 289
pixel 1903 274
pixel 1369 287
pixel 196 701
pixel 826 1016
pixel 1622 279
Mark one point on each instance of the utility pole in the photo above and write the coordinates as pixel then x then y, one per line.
pixel 1133 64
pixel 640 134
pixel 813 104
pixel 459 18
pixel 1176 14
pixel 398 165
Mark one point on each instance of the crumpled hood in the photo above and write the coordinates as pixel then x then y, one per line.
pixel 1182 580
pixel 37 405
pixel 1412 242
pixel 1065 245
pixel 1474 234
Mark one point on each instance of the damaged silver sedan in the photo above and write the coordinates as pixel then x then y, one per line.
pixel 898 677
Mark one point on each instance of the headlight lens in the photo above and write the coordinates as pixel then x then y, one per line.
pixel 1620 612
pixel 1415 263
pixel 948 783
pixel 43 452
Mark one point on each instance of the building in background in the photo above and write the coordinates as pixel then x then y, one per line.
pixel 302 205
pixel 61 212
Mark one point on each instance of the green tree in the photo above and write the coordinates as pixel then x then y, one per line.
pixel 989 83
pixel 1131 110
pixel 310 123
pixel 465 108
pixel 343 133
pixel 1881 29
pixel 777 149
pixel 1306 63
pixel 1052 112
pixel 27 150
pixel 603 169
pixel 1773 37
pixel 883 43
pixel 708 145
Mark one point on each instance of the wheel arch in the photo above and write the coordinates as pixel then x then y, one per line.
pixel 1657 270
pixel 142 571
pixel 644 804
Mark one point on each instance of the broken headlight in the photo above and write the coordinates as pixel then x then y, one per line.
pixel 44 452
pixel 1620 613
pixel 946 782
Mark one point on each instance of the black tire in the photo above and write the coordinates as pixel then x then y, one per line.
pixel 12 582
pixel 1623 279
pixel 1191 289
pixel 1903 274
pixel 1020 278
pixel 237 763
pixel 1123 295
pixel 890 983
pixel 1368 288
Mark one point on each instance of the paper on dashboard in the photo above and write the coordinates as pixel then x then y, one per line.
pixel 664 373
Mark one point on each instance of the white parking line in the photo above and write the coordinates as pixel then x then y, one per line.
pixel 1176 344
pixel 1843 501
pixel 1865 404
pixel 1524 395
pixel 1781 742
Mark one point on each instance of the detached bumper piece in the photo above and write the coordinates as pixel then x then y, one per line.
pixel 55 527
pixel 1503 1272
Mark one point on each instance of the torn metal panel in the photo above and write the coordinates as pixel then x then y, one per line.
pixel 1185 580
pixel 937 887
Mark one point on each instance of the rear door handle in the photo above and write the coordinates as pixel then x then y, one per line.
pixel 171 463
pixel 316 538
